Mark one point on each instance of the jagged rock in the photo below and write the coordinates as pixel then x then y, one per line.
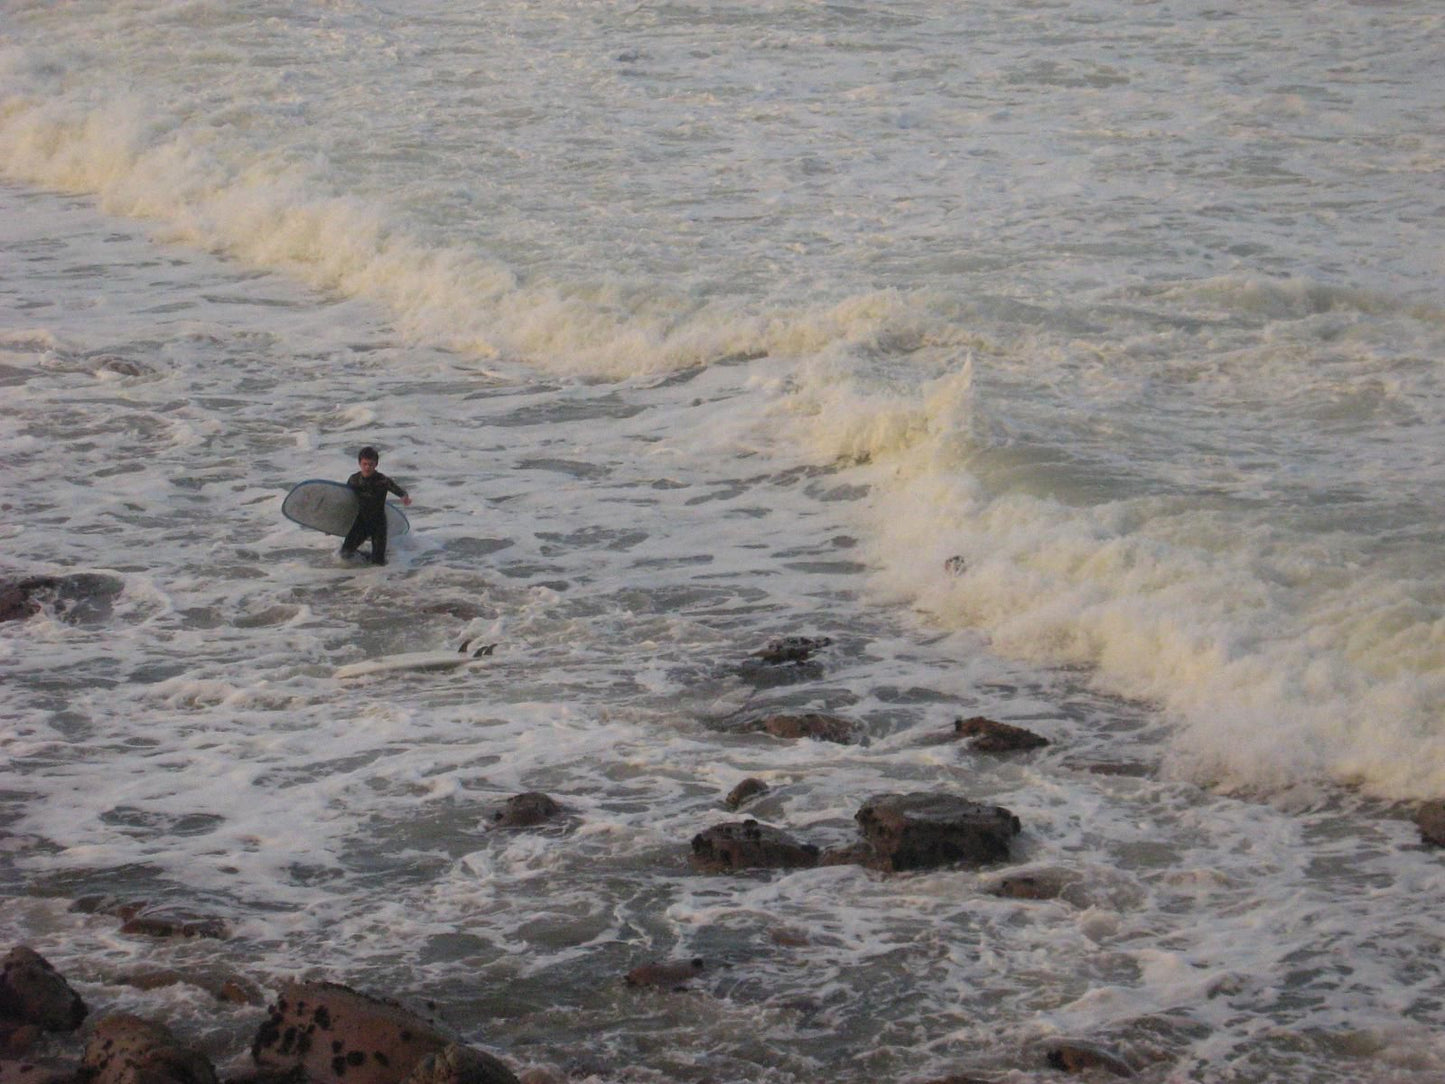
pixel 126 1049
pixel 459 1064
pixel 926 830
pixel 812 724
pixel 525 811
pixel 747 844
pixel 745 792
pixel 991 736
pixel 1074 1056
pixel 1430 818
pixel 794 649
pixel 673 974
pixel 332 1032
pixel 33 992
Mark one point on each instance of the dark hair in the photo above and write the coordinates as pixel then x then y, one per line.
pixel 368 453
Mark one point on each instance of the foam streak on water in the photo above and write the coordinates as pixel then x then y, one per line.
pixel 688 325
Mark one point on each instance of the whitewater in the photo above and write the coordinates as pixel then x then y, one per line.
pixel 1077 364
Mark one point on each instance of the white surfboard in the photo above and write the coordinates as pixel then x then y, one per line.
pixel 331 507
pixel 468 655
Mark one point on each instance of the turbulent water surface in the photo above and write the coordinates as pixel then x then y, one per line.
pixel 688 325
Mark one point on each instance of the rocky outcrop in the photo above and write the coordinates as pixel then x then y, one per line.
pixel 1075 1056
pixel 33 992
pixel 791 649
pixel 740 845
pixel 525 811
pixel 126 1049
pixel 812 724
pixel 1430 819
pixel 925 830
pixel 990 736
pixel 330 1032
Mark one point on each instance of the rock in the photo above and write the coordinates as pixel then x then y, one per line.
pixel 47 1071
pixel 126 1049
pixel 955 565
pixel 927 830
pixel 33 992
pixel 17 603
pixel 222 986
pixel 1430 818
pixel 747 844
pixel 673 974
pixel 1073 1056
pixel 812 724
pixel 82 597
pixel 745 792
pixel 331 1032
pixel 162 924
pixel 458 1064
pixel 1042 884
pixel 794 649
pixel 525 811
pixel 990 736
pixel 17 1040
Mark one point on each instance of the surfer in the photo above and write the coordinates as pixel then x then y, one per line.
pixel 371 488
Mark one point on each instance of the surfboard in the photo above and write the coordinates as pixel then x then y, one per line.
pixel 417 661
pixel 331 507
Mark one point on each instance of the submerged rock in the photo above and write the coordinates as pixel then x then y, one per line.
pixel 740 845
pixel 459 1064
pixel 794 649
pixel 526 811
pixel 745 792
pixel 925 830
pixel 33 992
pixel 673 974
pixel 812 724
pixel 1074 1056
pixel 991 736
pixel 1430 819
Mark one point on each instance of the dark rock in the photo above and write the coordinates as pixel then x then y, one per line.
pixel 45 1071
pixel 794 649
pixel 673 974
pixel 170 924
pixel 33 992
pixel 525 811
pixel 1074 1056
pixel 17 1040
pixel 955 565
pixel 126 1049
pixel 927 830
pixel 747 844
pixel 17 602
pixel 745 792
pixel 459 1064
pixel 1430 818
pixel 990 736
pixel 812 724
pixel 229 988
pixel 331 1032
pixel 125 910
pixel 83 597
pixel 1034 885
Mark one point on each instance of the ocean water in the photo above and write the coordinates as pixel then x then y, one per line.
pixel 689 325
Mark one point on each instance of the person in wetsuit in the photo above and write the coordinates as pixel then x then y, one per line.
pixel 371 488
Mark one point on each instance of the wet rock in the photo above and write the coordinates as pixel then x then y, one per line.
pixel 17 1040
pixel 459 1064
pixel 17 601
pixel 740 845
pixel 14 1070
pixel 33 992
pixel 126 1049
pixel 672 974
pixel 331 1032
pixel 525 811
pixel 925 830
pixel 231 989
pixel 955 565
pixel 1040 884
pixel 1123 768
pixel 745 792
pixel 125 910
pixel 957 1079
pixel 812 724
pixel 1430 818
pixel 1074 1056
pixel 173 924
pixel 791 649
pixel 991 736
pixel 79 598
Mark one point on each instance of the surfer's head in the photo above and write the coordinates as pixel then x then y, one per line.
pixel 368 459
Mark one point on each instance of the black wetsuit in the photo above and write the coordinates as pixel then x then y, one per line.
pixel 371 519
